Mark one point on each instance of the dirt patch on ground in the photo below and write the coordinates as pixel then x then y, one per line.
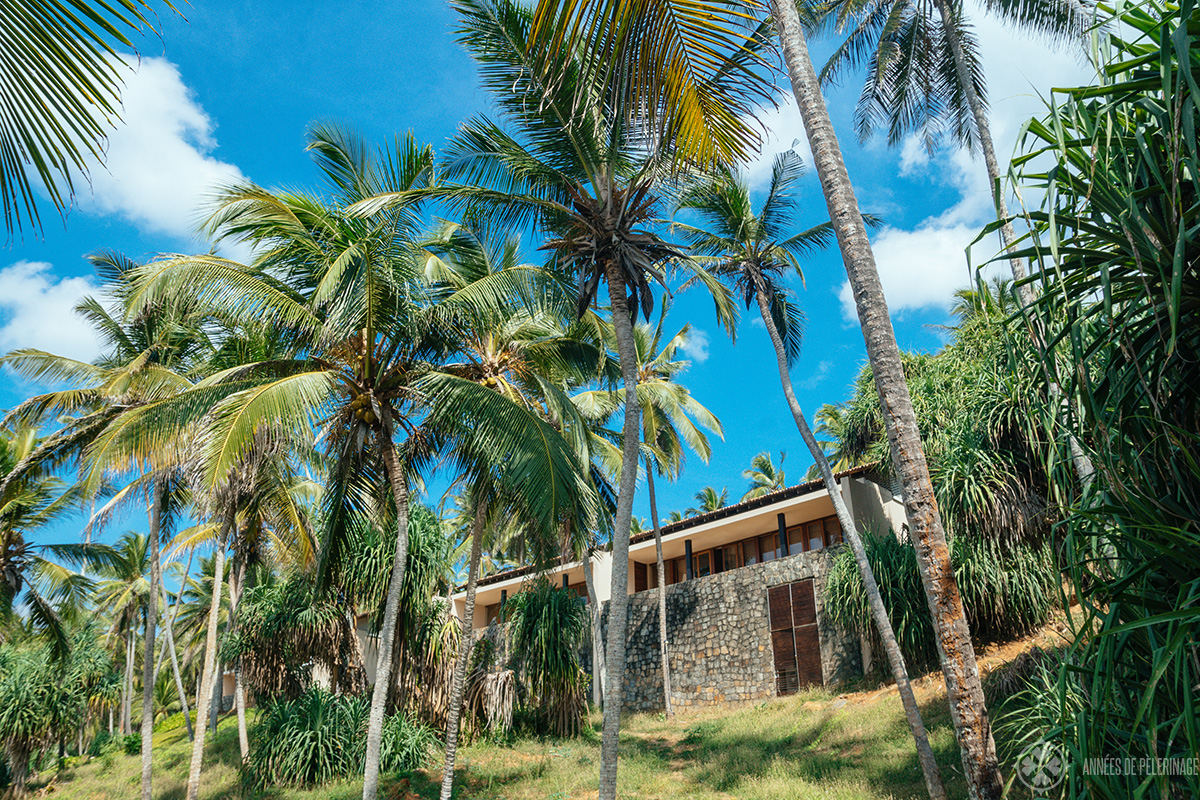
pixel 1055 634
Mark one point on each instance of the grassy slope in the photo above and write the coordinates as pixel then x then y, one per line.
pixel 813 745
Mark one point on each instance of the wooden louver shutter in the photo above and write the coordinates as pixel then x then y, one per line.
pixel 807 638
pixel 795 640
pixel 640 583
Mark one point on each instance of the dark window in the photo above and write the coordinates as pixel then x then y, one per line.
pixel 769 546
pixel 750 551
pixel 816 535
pixel 833 531
pixel 729 557
pixel 795 537
pixel 703 565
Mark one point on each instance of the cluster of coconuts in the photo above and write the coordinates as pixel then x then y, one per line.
pixel 361 406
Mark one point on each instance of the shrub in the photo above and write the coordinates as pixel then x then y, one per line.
pixel 1007 591
pixel 132 744
pixel 171 723
pixel 548 626
pixel 320 736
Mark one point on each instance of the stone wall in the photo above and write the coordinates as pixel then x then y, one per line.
pixel 719 637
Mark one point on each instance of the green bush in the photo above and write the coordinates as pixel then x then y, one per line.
pixel 320 736
pixel 132 744
pixel 548 627
pixel 1007 591
pixel 171 723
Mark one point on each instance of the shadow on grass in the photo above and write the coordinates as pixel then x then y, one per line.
pixel 823 746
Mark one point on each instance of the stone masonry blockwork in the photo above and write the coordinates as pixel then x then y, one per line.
pixel 719 637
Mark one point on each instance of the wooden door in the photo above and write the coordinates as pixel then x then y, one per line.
pixel 795 642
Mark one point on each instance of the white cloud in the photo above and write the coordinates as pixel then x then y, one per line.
pixel 919 269
pixel 817 375
pixel 158 171
pixel 696 346
pixel 784 131
pixel 923 266
pixel 37 310
pixel 913 154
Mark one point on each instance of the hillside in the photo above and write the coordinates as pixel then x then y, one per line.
pixel 850 746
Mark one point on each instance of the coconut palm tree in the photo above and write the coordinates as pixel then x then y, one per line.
pixel 968 710
pixel 754 251
pixel 924 73
pixel 61 94
pixel 830 424
pixel 588 173
pixel 667 411
pixel 122 595
pixel 29 501
pixel 365 337
pixel 530 355
pixel 709 499
pixel 764 476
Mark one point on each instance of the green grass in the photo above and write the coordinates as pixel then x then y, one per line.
pixel 810 745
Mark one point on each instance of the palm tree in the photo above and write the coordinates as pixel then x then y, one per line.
pixel 963 688
pixel 764 476
pixel 588 173
pixel 709 499
pixel 753 251
pixel 924 74
pixel 122 594
pixel 347 290
pixel 667 409
pixel 528 355
pixel 31 498
pixel 61 94
pixel 830 424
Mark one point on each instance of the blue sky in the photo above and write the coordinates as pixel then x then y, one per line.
pixel 230 92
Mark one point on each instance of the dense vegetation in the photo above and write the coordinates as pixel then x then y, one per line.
pixel 286 413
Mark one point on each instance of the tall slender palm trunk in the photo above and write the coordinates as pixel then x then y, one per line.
pixel 662 594
pixel 239 688
pixel 465 641
pixel 391 611
pixel 964 691
pixel 210 663
pixel 218 696
pixel 1084 469
pixel 156 505
pixel 618 604
pixel 183 703
pixel 929 766
pixel 169 631
pixel 127 687
pixel 598 659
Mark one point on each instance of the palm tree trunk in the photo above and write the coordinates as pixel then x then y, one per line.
pixel 218 697
pixel 929 766
pixel 183 703
pixel 127 689
pixel 170 634
pixel 618 603
pixel 597 633
pixel 239 691
pixel 662 593
pixel 157 488
pixel 466 639
pixel 210 658
pixel 1084 469
pixel 391 611
pixel 174 611
pixel 964 691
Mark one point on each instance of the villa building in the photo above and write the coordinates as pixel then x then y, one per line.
pixel 744 587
